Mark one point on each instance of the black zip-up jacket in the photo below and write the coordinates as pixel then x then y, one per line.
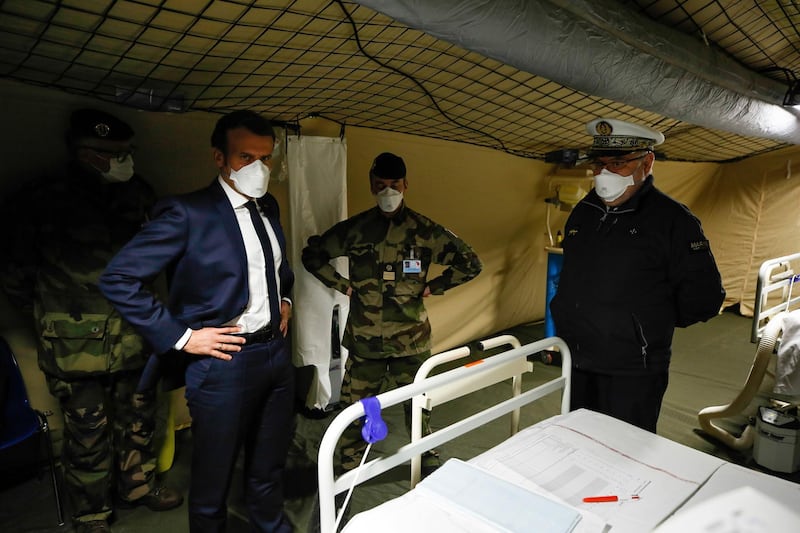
pixel 632 273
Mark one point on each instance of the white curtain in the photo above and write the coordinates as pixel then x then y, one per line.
pixel 317 200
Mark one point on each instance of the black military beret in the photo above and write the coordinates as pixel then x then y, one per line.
pixel 96 124
pixel 388 166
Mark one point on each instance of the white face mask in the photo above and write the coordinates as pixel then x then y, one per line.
pixel 610 186
pixel 389 200
pixel 252 180
pixel 119 171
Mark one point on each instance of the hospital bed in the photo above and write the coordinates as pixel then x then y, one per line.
pixel 777 304
pixel 478 373
pixel 777 291
pixel 537 478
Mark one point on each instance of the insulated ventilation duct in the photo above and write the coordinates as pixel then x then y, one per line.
pixel 602 48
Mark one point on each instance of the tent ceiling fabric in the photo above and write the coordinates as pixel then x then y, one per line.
pixel 612 52
pixel 290 59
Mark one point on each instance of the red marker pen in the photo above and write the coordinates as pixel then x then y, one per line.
pixel 609 498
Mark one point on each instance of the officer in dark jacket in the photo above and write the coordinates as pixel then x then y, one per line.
pixel 58 236
pixel 636 265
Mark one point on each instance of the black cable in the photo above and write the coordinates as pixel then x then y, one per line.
pixel 418 84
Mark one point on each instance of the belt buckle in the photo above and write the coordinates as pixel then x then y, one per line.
pixel 261 336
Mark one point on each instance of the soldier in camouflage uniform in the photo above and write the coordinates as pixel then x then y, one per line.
pixel 390 249
pixel 60 236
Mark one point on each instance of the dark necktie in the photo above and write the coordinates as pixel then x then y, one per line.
pixel 272 284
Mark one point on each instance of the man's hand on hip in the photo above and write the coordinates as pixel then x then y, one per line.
pixel 216 342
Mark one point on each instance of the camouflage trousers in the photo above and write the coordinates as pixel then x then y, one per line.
pixel 108 441
pixel 369 377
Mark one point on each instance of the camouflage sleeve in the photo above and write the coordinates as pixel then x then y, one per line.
pixel 462 262
pixel 316 256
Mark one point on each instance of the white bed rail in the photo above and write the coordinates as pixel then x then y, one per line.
pixel 515 374
pixel 437 396
pixel 422 401
pixel 777 278
pixel 329 487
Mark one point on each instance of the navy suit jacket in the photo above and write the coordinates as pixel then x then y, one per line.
pixel 195 239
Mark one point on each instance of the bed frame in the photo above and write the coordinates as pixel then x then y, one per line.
pixel 513 370
pixel 449 384
pixel 777 292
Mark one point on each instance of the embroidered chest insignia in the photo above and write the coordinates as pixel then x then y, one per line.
pixel 698 246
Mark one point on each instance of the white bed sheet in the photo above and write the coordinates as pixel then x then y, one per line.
pixel 463 497
pixel 730 476
pixel 426 509
pixel 743 509
pixel 569 457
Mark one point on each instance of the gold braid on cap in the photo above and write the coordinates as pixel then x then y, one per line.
pixel 621 142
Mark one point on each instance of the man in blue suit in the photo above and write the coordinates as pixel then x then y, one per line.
pixel 227 313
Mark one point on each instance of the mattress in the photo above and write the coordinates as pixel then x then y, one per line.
pixel 551 467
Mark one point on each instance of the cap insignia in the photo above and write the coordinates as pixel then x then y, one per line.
pixel 102 129
pixel 604 128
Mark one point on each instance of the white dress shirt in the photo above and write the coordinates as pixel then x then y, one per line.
pixel 257 314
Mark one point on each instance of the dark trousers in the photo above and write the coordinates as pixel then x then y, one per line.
pixel 634 399
pixel 246 401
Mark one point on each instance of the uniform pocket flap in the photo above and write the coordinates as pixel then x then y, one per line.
pixel 64 326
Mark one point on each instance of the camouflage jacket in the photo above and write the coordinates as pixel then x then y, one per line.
pixel 388 268
pixel 57 238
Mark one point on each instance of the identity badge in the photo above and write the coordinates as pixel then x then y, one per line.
pixel 412 266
